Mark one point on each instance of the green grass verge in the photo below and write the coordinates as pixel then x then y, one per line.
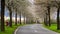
pixel 53 27
pixel 10 30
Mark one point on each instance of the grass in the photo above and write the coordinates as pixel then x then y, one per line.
pixel 53 27
pixel 9 30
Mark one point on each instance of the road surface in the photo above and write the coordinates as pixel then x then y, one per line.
pixel 34 29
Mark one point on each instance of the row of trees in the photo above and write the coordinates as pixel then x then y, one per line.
pixel 46 13
pixel 17 6
pixel 47 19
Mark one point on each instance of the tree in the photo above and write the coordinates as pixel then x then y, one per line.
pixel 57 4
pixel 20 17
pixel 16 18
pixel 10 12
pixel 49 15
pixel 58 23
pixel 10 19
pixel 2 15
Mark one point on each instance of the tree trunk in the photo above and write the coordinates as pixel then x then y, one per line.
pixel 20 18
pixel 46 20
pixel 24 20
pixel 10 24
pixel 58 23
pixel 2 15
pixel 49 15
pixel 29 20
pixel 16 19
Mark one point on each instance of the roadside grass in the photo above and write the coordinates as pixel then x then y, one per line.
pixel 53 27
pixel 10 30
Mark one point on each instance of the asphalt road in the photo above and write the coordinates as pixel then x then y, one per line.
pixel 34 29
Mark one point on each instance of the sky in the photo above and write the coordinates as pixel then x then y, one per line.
pixel 13 15
pixel 7 15
pixel 31 1
pixel 6 12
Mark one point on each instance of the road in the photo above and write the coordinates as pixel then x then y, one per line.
pixel 34 29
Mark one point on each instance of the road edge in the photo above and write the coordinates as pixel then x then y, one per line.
pixel 16 30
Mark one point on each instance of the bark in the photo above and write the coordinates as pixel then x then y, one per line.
pixel 58 23
pixel 16 19
pixel 46 21
pixel 20 18
pixel 49 15
pixel 10 24
pixel 10 12
pixel 24 20
pixel 2 15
